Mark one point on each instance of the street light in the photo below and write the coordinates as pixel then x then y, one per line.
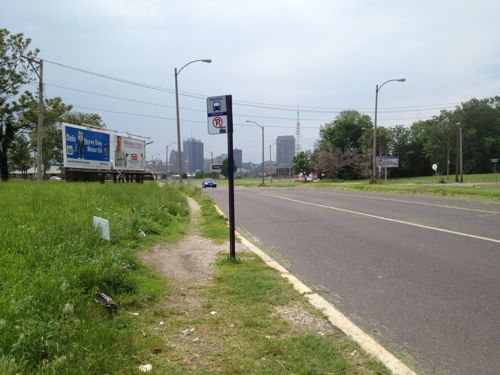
pixel 377 89
pixel 271 161
pixel 177 72
pixel 166 159
pixel 262 128
pixel 212 156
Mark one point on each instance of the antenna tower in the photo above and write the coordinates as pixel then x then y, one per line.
pixel 297 134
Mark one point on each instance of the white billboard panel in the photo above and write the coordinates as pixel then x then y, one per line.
pixel 129 153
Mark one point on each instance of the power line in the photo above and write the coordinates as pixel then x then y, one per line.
pixel 197 110
pixel 253 104
pixel 196 121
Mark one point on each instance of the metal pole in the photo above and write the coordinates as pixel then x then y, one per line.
pixel 374 179
pixel 270 163
pixel 230 166
pixel 39 147
pixel 448 157
pixel 263 170
pixel 457 158
pixel 179 156
pixel 461 157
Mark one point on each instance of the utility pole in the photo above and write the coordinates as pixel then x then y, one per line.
pixel 461 156
pixel 457 158
pixel 39 144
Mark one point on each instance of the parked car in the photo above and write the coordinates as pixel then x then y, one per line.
pixel 209 182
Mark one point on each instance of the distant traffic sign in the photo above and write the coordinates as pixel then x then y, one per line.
pixel 495 160
pixel 388 161
pixel 217 114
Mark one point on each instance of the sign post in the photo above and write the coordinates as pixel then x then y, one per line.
pixel 495 161
pixel 220 121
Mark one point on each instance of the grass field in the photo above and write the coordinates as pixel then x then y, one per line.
pixel 52 261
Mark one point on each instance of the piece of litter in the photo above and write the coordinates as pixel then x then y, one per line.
pixel 213 312
pixel 268 337
pixel 196 339
pixel 143 234
pixel 380 277
pixel 191 330
pixel 135 314
pixel 146 368
pixel 354 352
pixel 232 325
pixel 321 333
pixel 161 323
pixel 105 300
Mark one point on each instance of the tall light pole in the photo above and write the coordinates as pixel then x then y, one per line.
pixel 166 159
pixel 177 72
pixel 261 128
pixel 271 161
pixel 212 156
pixel 377 89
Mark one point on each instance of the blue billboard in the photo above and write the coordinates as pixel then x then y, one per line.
pixel 84 148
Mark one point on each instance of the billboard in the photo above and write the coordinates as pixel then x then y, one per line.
pixel 129 153
pixel 84 148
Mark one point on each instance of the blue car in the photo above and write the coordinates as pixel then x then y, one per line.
pixel 209 182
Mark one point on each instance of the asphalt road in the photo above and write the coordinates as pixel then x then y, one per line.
pixel 420 274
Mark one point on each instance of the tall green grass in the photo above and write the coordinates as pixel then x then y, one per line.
pixel 52 261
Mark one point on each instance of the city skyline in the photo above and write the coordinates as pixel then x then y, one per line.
pixel 322 57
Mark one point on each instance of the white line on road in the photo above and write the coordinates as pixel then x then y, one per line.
pixel 425 204
pixel 384 218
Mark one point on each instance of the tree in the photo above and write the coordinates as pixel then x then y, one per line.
pixel 80 118
pixel 15 71
pixel 348 165
pixel 54 110
pixel 345 132
pixel 302 163
pixel 20 158
pixel 225 169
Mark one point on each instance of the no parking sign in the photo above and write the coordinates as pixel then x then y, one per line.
pixel 217 113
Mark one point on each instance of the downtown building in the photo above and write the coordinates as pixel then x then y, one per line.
pixel 192 155
pixel 285 151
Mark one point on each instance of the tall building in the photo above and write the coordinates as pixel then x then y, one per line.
pixel 173 165
pixel 238 157
pixel 193 155
pixel 285 150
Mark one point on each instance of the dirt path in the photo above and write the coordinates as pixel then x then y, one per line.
pixel 189 266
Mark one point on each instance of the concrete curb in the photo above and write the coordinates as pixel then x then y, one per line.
pixel 339 320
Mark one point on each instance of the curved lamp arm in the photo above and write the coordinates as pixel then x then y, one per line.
pixel 390 80
pixel 208 61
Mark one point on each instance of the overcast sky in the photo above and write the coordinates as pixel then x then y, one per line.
pixel 279 53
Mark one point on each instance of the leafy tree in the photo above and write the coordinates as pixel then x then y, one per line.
pixel 54 111
pixel 225 169
pixel 81 118
pixel 345 132
pixel 20 158
pixel 345 165
pixel 302 163
pixel 15 71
